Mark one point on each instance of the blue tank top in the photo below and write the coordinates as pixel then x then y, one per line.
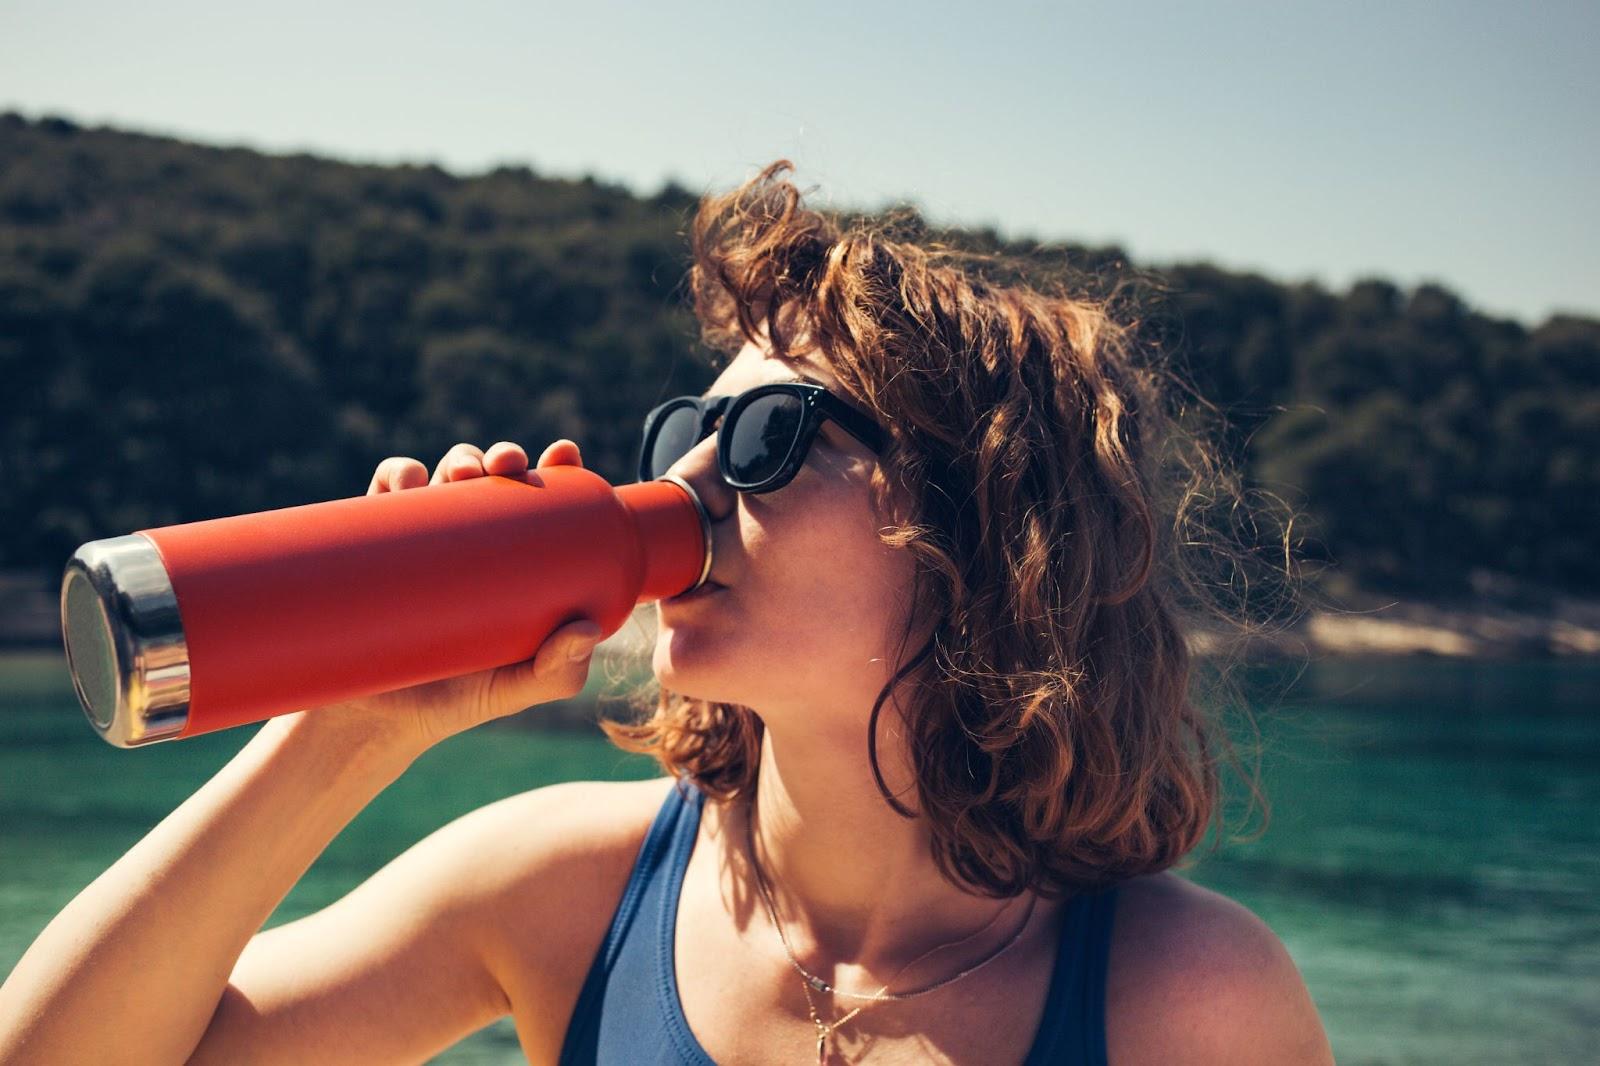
pixel 628 1011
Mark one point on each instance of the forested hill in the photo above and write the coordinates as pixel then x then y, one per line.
pixel 189 331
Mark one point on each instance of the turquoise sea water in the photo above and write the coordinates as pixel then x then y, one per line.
pixel 1432 861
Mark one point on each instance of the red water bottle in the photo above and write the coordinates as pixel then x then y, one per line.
pixel 191 628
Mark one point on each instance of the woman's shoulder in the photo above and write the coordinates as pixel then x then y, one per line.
pixel 547 868
pixel 562 851
pixel 588 819
pixel 574 825
pixel 1199 978
pixel 563 848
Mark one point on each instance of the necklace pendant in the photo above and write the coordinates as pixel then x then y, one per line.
pixel 818 983
pixel 823 1029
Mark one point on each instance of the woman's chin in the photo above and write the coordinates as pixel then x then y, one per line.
pixel 686 664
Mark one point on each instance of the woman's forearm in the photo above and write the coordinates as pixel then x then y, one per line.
pixel 133 968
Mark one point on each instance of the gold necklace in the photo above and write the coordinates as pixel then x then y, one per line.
pixel 810 981
pixel 825 1029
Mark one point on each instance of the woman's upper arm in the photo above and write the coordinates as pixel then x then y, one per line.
pixel 419 955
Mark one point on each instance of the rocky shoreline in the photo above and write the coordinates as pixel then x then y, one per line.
pixel 1406 628
pixel 1500 618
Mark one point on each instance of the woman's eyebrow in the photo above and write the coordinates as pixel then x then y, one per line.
pixel 800 378
pixel 804 380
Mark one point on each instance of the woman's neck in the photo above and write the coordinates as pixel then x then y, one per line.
pixel 853 882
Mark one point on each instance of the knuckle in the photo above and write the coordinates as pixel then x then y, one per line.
pixel 564 678
pixel 456 453
pixel 572 683
pixel 389 473
pixel 402 467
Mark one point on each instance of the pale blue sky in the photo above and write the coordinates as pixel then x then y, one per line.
pixel 1456 142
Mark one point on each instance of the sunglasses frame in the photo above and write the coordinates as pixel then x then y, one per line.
pixel 818 405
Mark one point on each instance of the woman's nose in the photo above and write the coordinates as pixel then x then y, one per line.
pixel 698 466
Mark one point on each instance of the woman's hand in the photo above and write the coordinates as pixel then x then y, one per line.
pixel 428 713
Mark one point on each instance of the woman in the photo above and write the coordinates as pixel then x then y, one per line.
pixel 931 752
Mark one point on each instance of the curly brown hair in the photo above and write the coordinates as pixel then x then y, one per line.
pixel 1054 496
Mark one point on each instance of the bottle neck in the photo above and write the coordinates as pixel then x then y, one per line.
pixel 674 535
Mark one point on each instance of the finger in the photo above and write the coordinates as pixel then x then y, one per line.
pixel 505 458
pixel 395 473
pixel 461 461
pixel 562 453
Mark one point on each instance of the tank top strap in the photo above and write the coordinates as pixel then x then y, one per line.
pixel 618 988
pixel 1073 1028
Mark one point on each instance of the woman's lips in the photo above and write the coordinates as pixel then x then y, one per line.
pixel 710 588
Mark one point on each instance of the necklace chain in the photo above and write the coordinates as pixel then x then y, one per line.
pixel 825 1029
pixel 810 981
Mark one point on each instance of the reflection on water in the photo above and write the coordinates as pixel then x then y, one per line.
pixel 1432 861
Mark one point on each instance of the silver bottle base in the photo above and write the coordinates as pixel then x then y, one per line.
pixel 125 645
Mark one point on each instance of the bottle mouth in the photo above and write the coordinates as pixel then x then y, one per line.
pixel 705 528
pixel 124 639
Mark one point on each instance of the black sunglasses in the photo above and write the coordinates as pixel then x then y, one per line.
pixel 765 436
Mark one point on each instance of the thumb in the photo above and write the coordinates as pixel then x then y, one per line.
pixel 580 639
pixel 557 671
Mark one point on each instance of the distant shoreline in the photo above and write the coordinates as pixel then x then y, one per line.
pixel 1401 628
pixel 1365 625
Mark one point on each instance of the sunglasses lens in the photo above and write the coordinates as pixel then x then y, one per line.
pixel 675 434
pixel 764 433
